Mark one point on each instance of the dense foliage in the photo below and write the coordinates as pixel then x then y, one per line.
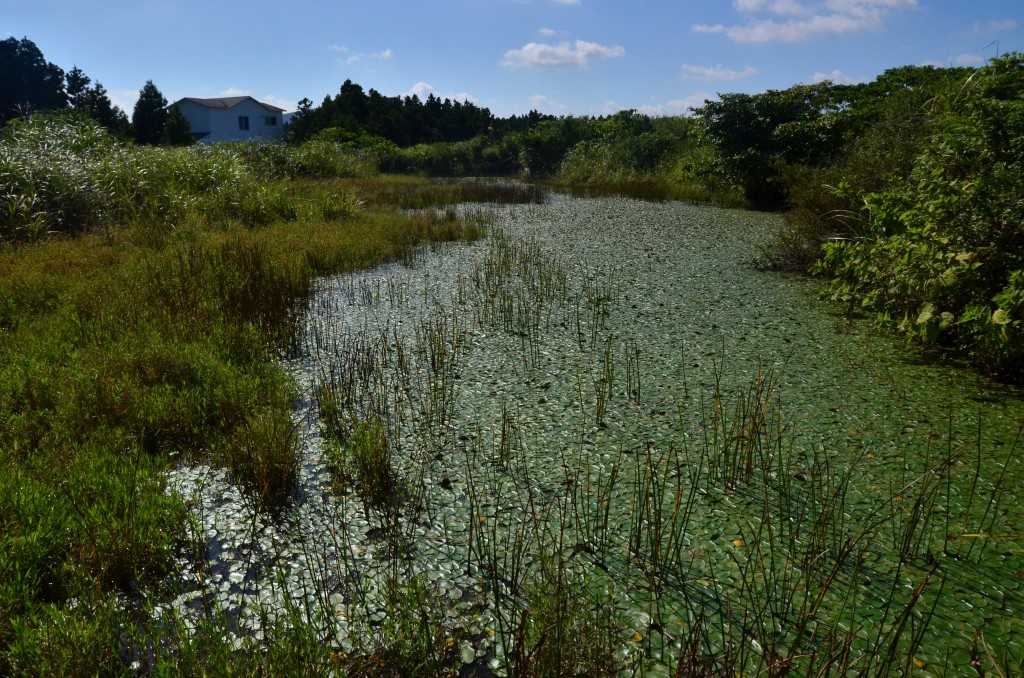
pixel 405 121
pixel 94 102
pixel 29 83
pixel 759 135
pixel 150 115
pixel 941 257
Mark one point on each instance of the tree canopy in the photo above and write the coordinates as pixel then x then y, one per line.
pixel 94 101
pixel 29 83
pixel 177 131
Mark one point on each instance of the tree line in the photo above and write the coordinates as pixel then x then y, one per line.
pixel 29 83
pixel 404 121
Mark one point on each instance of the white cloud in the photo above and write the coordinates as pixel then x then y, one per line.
pixel 677 106
pixel 716 73
pixel 541 103
pixel 425 89
pixel 695 100
pixel 658 110
pixel 804 19
pixel 968 60
pixel 837 77
pixel 567 2
pixel 547 32
pixel 124 99
pixel 234 92
pixel 349 58
pixel 279 102
pixel 421 89
pixel 979 29
pixel 563 55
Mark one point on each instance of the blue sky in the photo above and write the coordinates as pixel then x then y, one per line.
pixel 581 57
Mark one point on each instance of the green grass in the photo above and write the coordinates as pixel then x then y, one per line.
pixel 143 296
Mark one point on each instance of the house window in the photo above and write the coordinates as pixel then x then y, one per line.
pixel 243 123
pixel 270 120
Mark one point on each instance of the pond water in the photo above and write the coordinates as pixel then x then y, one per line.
pixel 604 399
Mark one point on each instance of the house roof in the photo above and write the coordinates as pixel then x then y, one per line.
pixel 227 102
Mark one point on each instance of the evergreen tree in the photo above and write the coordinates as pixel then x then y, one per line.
pixel 77 88
pixel 28 82
pixel 98 106
pixel 150 115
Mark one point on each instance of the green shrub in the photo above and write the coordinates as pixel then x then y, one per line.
pixel 940 257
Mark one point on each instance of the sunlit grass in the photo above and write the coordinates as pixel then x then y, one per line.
pixel 141 307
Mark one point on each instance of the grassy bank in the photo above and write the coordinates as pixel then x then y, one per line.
pixel 143 296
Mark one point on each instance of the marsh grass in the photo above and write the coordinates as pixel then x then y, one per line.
pixel 410 193
pixel 603 569
pixel 144 294
pixel 655 190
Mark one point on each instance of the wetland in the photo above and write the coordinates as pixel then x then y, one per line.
pixel 599 439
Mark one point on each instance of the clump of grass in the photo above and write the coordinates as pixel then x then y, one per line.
pixel 263 454
pixel 324 159
pixel 335 207
pixel 409 193
pixel 567 629
pixel 414 639
pixel 367 452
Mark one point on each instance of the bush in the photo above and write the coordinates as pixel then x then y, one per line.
pixel 941 258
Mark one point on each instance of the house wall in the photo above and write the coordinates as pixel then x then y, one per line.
pixel 198 117
pixel 221 124
pixel 224 123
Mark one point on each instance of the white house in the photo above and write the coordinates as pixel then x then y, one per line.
pixel 231 119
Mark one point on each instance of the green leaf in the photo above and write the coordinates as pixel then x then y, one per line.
pixel 927 313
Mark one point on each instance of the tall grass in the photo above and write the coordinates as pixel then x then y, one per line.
pixel 61 174
pixel 144 294
pixel 649 168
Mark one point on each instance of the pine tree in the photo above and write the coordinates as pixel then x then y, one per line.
pixel 150 115
pixel 77 88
